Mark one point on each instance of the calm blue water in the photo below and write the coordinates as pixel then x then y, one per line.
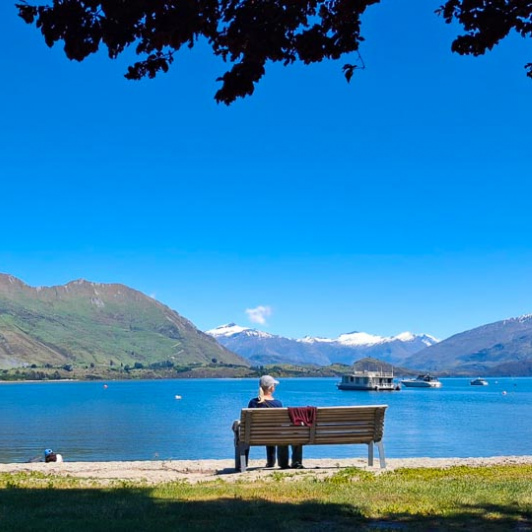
pixel 85 421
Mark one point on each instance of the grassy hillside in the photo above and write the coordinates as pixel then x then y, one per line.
pixel 83 323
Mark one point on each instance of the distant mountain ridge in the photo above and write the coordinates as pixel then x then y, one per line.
pixel 265 348
pixel 88 323
pixel 500 348
pixel 94 323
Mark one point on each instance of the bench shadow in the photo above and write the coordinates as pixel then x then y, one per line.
pixel 134 509
pixel 232 470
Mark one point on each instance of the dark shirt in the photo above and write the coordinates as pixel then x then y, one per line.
pixel 267 403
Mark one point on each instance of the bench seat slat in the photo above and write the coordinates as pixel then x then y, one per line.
pixel 304 441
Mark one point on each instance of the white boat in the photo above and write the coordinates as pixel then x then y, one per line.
pixel 479 382
pixel 422 381
pixel 368 381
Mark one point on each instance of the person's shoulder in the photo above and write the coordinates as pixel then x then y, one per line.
pixel 275 403
pixel 253 403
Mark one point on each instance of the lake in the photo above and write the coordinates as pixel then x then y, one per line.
pixel 143 420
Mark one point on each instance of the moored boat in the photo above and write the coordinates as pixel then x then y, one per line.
pixel 368 381
pixel 479 382
pixel 422 381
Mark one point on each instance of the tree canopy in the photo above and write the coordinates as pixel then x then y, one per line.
pixel 247 34
pixel 487 22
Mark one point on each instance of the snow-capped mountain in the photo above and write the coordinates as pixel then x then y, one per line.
pixel 264 348
pixel 232 329
pixel 364 339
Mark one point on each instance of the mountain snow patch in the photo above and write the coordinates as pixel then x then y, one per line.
pixel 232 329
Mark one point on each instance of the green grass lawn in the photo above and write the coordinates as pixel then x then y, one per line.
pixel 459 498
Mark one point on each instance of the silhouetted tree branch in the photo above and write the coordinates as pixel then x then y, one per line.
pixel 248 33
pixel 245 33
pixel 487 22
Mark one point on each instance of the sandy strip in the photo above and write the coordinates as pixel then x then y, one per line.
pixel 154 472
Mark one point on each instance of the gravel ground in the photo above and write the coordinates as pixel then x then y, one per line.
pixel 154 472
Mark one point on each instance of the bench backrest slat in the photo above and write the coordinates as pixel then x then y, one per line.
pixel 342 424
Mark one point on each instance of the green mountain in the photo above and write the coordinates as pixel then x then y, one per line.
pixel 84 323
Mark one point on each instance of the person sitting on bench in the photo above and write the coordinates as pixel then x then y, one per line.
pixel 265 399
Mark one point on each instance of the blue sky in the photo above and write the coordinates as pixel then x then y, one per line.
pixel 400 201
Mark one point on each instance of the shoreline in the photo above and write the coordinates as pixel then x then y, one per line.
pixel 193 471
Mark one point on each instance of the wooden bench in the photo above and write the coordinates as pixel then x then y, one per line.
pixel 333 425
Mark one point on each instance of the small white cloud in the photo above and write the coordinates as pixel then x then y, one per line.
pixel 259 314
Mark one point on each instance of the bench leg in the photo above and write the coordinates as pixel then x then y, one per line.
pixel 382 459
pixel 241 457
pixel 370 453
pixel 237 456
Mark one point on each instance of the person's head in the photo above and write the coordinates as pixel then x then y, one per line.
pixel 266 386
